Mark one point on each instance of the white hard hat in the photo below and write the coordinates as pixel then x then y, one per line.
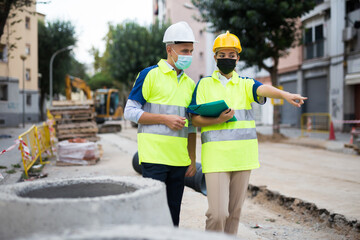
pixel 179 32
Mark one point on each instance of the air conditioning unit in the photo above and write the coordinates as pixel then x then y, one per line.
pixel 349 33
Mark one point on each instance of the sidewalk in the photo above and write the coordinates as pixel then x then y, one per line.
pixel 313 140
pixel 13 157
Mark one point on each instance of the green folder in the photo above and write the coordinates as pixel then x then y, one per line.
pixel 211 109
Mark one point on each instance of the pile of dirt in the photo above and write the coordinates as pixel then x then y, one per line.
pixel 305 213
pixel 276 137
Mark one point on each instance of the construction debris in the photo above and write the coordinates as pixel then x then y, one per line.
pixel 75 120
pixel 78 152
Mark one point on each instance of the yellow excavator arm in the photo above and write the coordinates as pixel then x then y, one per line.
pixel 71 81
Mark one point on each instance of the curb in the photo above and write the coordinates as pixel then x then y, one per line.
pixel 321 144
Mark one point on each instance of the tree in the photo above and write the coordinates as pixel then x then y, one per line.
pixel 266 29
pixel 102 77
pixel 77 69
pixel 101 80
pixel 131 48
pixel 52 37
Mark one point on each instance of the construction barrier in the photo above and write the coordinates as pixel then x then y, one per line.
pixel 30 148
pixel 44 139
pixel 35 142
pixel 315 122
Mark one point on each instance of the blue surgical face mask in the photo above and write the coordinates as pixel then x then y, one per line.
pixel 183 62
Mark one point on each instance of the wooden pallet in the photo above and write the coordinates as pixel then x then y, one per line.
pixel 72 103
pixel 77 125
pixel 76 131
pixel 74 120
pixel 89 138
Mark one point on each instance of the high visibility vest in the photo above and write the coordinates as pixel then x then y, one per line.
pixel 159 91
pixel 229 146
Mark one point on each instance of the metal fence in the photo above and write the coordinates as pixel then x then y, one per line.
pixel 315 122
pixel 35 142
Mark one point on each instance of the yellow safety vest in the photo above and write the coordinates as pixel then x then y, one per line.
pixel 229 146
pixel 163 94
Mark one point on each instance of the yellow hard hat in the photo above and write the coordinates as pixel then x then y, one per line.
pixel 227 40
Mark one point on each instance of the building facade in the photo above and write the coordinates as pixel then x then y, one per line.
pixel 19 91
pixel 326 68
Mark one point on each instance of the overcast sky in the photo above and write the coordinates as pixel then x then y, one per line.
pixel 91 17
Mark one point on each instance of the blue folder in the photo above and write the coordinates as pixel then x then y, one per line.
pixel 211 109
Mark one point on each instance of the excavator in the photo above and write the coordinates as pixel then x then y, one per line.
pixel 107 108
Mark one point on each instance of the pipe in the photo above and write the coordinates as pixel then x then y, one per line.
pixel 196 182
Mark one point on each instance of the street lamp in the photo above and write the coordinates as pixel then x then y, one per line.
pixel 23 58
pixel 51 63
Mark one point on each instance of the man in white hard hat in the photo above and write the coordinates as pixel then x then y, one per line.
pixel 158 102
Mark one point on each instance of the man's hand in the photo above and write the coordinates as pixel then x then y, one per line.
pixel 295 99
pixel 191 170
pixel 175 122
pixel 226 115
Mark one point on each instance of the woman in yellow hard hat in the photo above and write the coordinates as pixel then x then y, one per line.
pixel 229 148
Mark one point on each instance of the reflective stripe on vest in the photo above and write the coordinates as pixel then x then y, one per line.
pixel 244 115
pixel 228 135
pixel 161 129
pixel 165 109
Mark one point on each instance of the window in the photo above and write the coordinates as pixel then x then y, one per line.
pixel 28 99
pixel 3 92
pixel 314 42
pixel 27 23
pixel 319 41
pixel 27 49
pixel 3 53
pixel 27 74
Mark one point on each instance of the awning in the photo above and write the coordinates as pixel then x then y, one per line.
pixel 352 78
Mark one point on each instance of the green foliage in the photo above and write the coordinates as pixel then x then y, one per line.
pixel 131 48
pixel 78 69
pixel 11 171
pixel 100 80
pixel 266 28
pixel 52 37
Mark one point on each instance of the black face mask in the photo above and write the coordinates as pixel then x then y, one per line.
pixel 226 65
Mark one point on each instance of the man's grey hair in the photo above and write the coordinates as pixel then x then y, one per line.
pixel 169 43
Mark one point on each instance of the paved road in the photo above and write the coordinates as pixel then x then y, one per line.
pixel 330 180
pixel 8 135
